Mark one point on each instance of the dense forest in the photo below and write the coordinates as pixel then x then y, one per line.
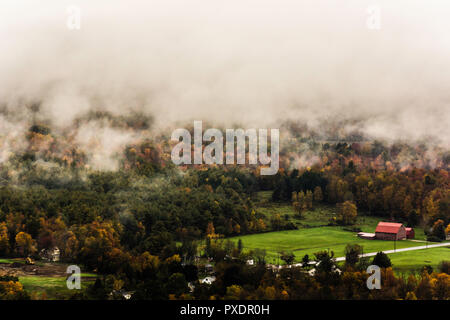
pixel 140 226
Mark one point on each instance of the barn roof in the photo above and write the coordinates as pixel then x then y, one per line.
pixel 388 227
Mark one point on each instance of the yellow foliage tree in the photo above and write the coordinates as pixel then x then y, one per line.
pixel 25 244
pixel 233 292
pixel 318 195
pixel 347 213
pixel 211 231
pixel 4 239
pixel 10 290
pixel 410 296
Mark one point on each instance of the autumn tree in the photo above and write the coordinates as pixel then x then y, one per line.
pixel 347 213
pixel 388 194
pixel 211 231
pixel 25 245
pixel 308 199
pixel 260 225
pixel 276 222
pixel 424 290
pixel 336 189
pixel 444 266
pixel 294 197
pixel 12 290
pixel 4 240
pixel 410 296
pixel 318 195
pixel 49 231
pixel 300 205
pixel 430 209
pixel 438 230
pixel 407 205
pixel 234 292
pixel 441 286
pixel 15 223
pixel 68 245
pixel 97 239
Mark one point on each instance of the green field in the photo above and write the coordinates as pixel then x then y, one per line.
pixel 413 261
pixel 51 286
pixel 11 260
pixel 55 288
pixel 19 260
pixel 311 240
pixel 319 216
pixel 314 234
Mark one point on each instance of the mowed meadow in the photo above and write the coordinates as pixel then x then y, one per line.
pixel 311 240
pixel 314 234
pixel 413 261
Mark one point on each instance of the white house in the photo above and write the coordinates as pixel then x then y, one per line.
pixel 51 254
pixel 208 280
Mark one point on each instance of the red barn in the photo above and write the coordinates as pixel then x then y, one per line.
pixel 409 233
pixel 390 231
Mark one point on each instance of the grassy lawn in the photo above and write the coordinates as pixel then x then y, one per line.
pixel 55 288
pixel 19 260
pixel 319 216
pixel 413 261
pixel 11 260
pixel 311 240
pixel 314 234
pixel 264 197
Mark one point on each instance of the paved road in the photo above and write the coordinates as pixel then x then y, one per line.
pixel 371 254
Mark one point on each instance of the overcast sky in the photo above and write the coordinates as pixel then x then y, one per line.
pixel 255 62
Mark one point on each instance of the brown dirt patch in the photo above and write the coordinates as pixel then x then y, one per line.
pixel 41 269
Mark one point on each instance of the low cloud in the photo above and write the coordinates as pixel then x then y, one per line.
pixel 255 63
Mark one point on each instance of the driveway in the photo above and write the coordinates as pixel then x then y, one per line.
pixel 371 254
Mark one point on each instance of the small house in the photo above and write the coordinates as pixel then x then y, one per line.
pixel 208 280
pixel 51 254
pixel 335 269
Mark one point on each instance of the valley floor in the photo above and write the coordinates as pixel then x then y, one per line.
pixel 315 235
